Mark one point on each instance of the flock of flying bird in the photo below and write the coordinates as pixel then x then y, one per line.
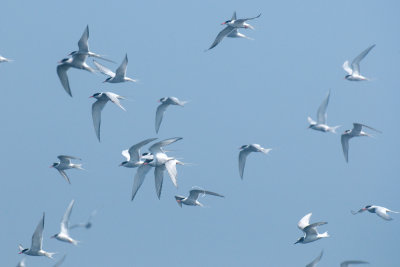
pixel 158 159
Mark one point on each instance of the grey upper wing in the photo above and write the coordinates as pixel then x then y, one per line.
pixel 234 16
pixel 37 237
pixel 121 71
pixel 316 260
pixel 356 62
pixel 156 147
pixel 243 20
pixel 345 146
pixel 103 69
pixel 321 113
pixel 115 99
pixel 139 178
pixel 64 174
pixel 159 176
pixel 83 42
pixel 369 127
pixel 66 159
pixel 242 161
pixel 159 115
pixel 194 193
pixel 62 74
pixel 221 35
pixel 134 150
pixel 97 107
pixel 58 263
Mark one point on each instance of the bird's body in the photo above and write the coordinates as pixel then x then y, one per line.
pixel 119 75
pixel 97 107
pixel 245 151
pixel 321 124
pixel 355 132
pixel 63 235
pixel 378 210
pixel 165 102
pixel 37 241
pixel 231 29
pixel 65 164
pixel 310 230
pixel 192 199
pixel 354 70
pixel 132 155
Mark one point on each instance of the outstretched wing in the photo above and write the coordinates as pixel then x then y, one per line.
pixel 139 178
pixel 83 42
pixel 242 161
pixel 134 151
pixel 321 113
pixel 156 147
pixel 312 228
pixel 37 237
pixel 221 35
pixel 103 69
pixel 160 114
pixel 62 74
pixel 159 176
pixel 64 174
pixel 347 263
pixel 345 146
pixel 316 260
pixel 65 219
pixel 194 193
pixel 115 99
pixel 304 222
pixel 121 71
pixel 356 62
pixel 97 107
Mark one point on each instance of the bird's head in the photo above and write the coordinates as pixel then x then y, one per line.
pixel 22 249
pixel 123 163
pixel 73 53
pixel 300 240
pixel 54 165
pixel 179 200
pixel 96 95
pixel 162 100
pixel 63 60
pixel 107 80
pixel 226 22
pixel 244 147
pixel 347 76
pixel 54 236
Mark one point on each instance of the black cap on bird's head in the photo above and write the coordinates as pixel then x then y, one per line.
pixel 96 95
pixel 243 147
pixel 145 153
pixel 107 80
pixel 54 165
pixel 123 163
pixel 300 240
pixel 73 53
pixel 162 100
pixel 226 22
pixel 347 76
pixel 368 206
pixel 179 200
pixel 63 60
pixel 54 236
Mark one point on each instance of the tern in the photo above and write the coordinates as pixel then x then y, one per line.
pixel 37 241
pixel 77 61
pixel 165 102
pixel 316 260
pixel 347 263
pixel 231 29
pixel 348 134
pixel 310 230
pixel 87 224
pixel 194 194
pixel 97 107
pixel 120 74
pixel 245 151
pixel 21 263
pixel 161 162
pixel 133 157
pixel 63 235
pixel 354 70
pixel 84 47
pixel 65 164
pixel 321 125
pixel 378 210
pixel 58 263
pixel 3 59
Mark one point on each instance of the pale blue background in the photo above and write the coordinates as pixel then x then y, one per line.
pixel 240 92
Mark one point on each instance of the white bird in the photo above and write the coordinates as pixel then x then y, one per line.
pixel 354 70
pixel 310 230
pixel 87 224
pixel 348 134
pixel 133 157
pixel 63 235
pixel 37 241
pixel 192 199
pixel 77 61
pixel 120 74
pixel 245 151
pixel 3 59
pixel 97 107
pixel 21 263
pixel 347 263
pixel 316 260
pixel 161 162
pixel 378 210
pixel 320 124
pixel 165 102
pixel 58 263
pixel 65 164
pixel 83 46
pixel 231 29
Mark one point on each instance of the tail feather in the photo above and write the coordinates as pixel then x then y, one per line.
pixel 50 254
pixel 333 129
pixel 323 235
pixel 266 150
pixel 78 166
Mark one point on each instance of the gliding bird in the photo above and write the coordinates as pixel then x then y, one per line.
pixel 354 70
pixel 348 134
pixel 192 199
pixel 165 102
pixel 3 59
pixel 37 241
pixel 310 230
pixel 120 74
pixel 378 210
pixel 65 164
pixel 133 157
pixel 231 29
pixel 245 151
pixel 87 224
pixel 63 235
pixel 97 107
pixel 321 125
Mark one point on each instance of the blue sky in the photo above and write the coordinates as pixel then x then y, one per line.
pixel 240 92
